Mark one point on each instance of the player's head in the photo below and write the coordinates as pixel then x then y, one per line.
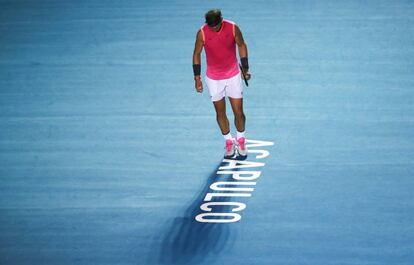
pixel 213 17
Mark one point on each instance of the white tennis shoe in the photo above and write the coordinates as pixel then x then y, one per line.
pixel 241 147
pixel 230 150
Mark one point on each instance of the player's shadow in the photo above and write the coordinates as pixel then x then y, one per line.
pixel 190 242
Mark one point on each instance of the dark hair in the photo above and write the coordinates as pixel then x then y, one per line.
pixel 213 17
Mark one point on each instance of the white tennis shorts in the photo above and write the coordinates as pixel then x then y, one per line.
pixel 230 87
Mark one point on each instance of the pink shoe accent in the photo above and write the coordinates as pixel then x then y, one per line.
pixel 241 142
pixel 229 145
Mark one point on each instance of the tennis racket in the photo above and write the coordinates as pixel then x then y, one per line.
pixel 244 75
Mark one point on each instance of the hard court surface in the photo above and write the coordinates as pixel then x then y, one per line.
pixel 106 150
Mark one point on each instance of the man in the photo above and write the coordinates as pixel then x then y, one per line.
pixel 219 37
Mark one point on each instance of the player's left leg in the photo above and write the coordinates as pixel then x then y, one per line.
pixel 239 117
pixel 240 122
pixel 234 91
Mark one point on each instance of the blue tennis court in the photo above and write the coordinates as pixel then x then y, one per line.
pixel 107 152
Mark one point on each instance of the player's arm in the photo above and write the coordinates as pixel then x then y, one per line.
pixel 198 48
pixel 241 44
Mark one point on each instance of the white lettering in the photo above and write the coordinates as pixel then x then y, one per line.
pixel 250 175
pixel 254 143
pixel 240 206
pixel 238 188
pixel 215 186
pixel 235 217
pixel 209 196
pixel 232 164
pixel 262 153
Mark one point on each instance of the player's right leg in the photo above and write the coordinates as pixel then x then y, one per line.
pixel 216 89
pixel 223 122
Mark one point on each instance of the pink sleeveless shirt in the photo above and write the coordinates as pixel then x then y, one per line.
pixel 220 50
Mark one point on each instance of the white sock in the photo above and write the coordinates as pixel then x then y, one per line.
pixel 227 136
pixel 239 135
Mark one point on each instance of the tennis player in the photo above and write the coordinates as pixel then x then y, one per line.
pixel 219 37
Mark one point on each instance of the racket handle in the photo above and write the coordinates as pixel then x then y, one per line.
pixel 244 75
